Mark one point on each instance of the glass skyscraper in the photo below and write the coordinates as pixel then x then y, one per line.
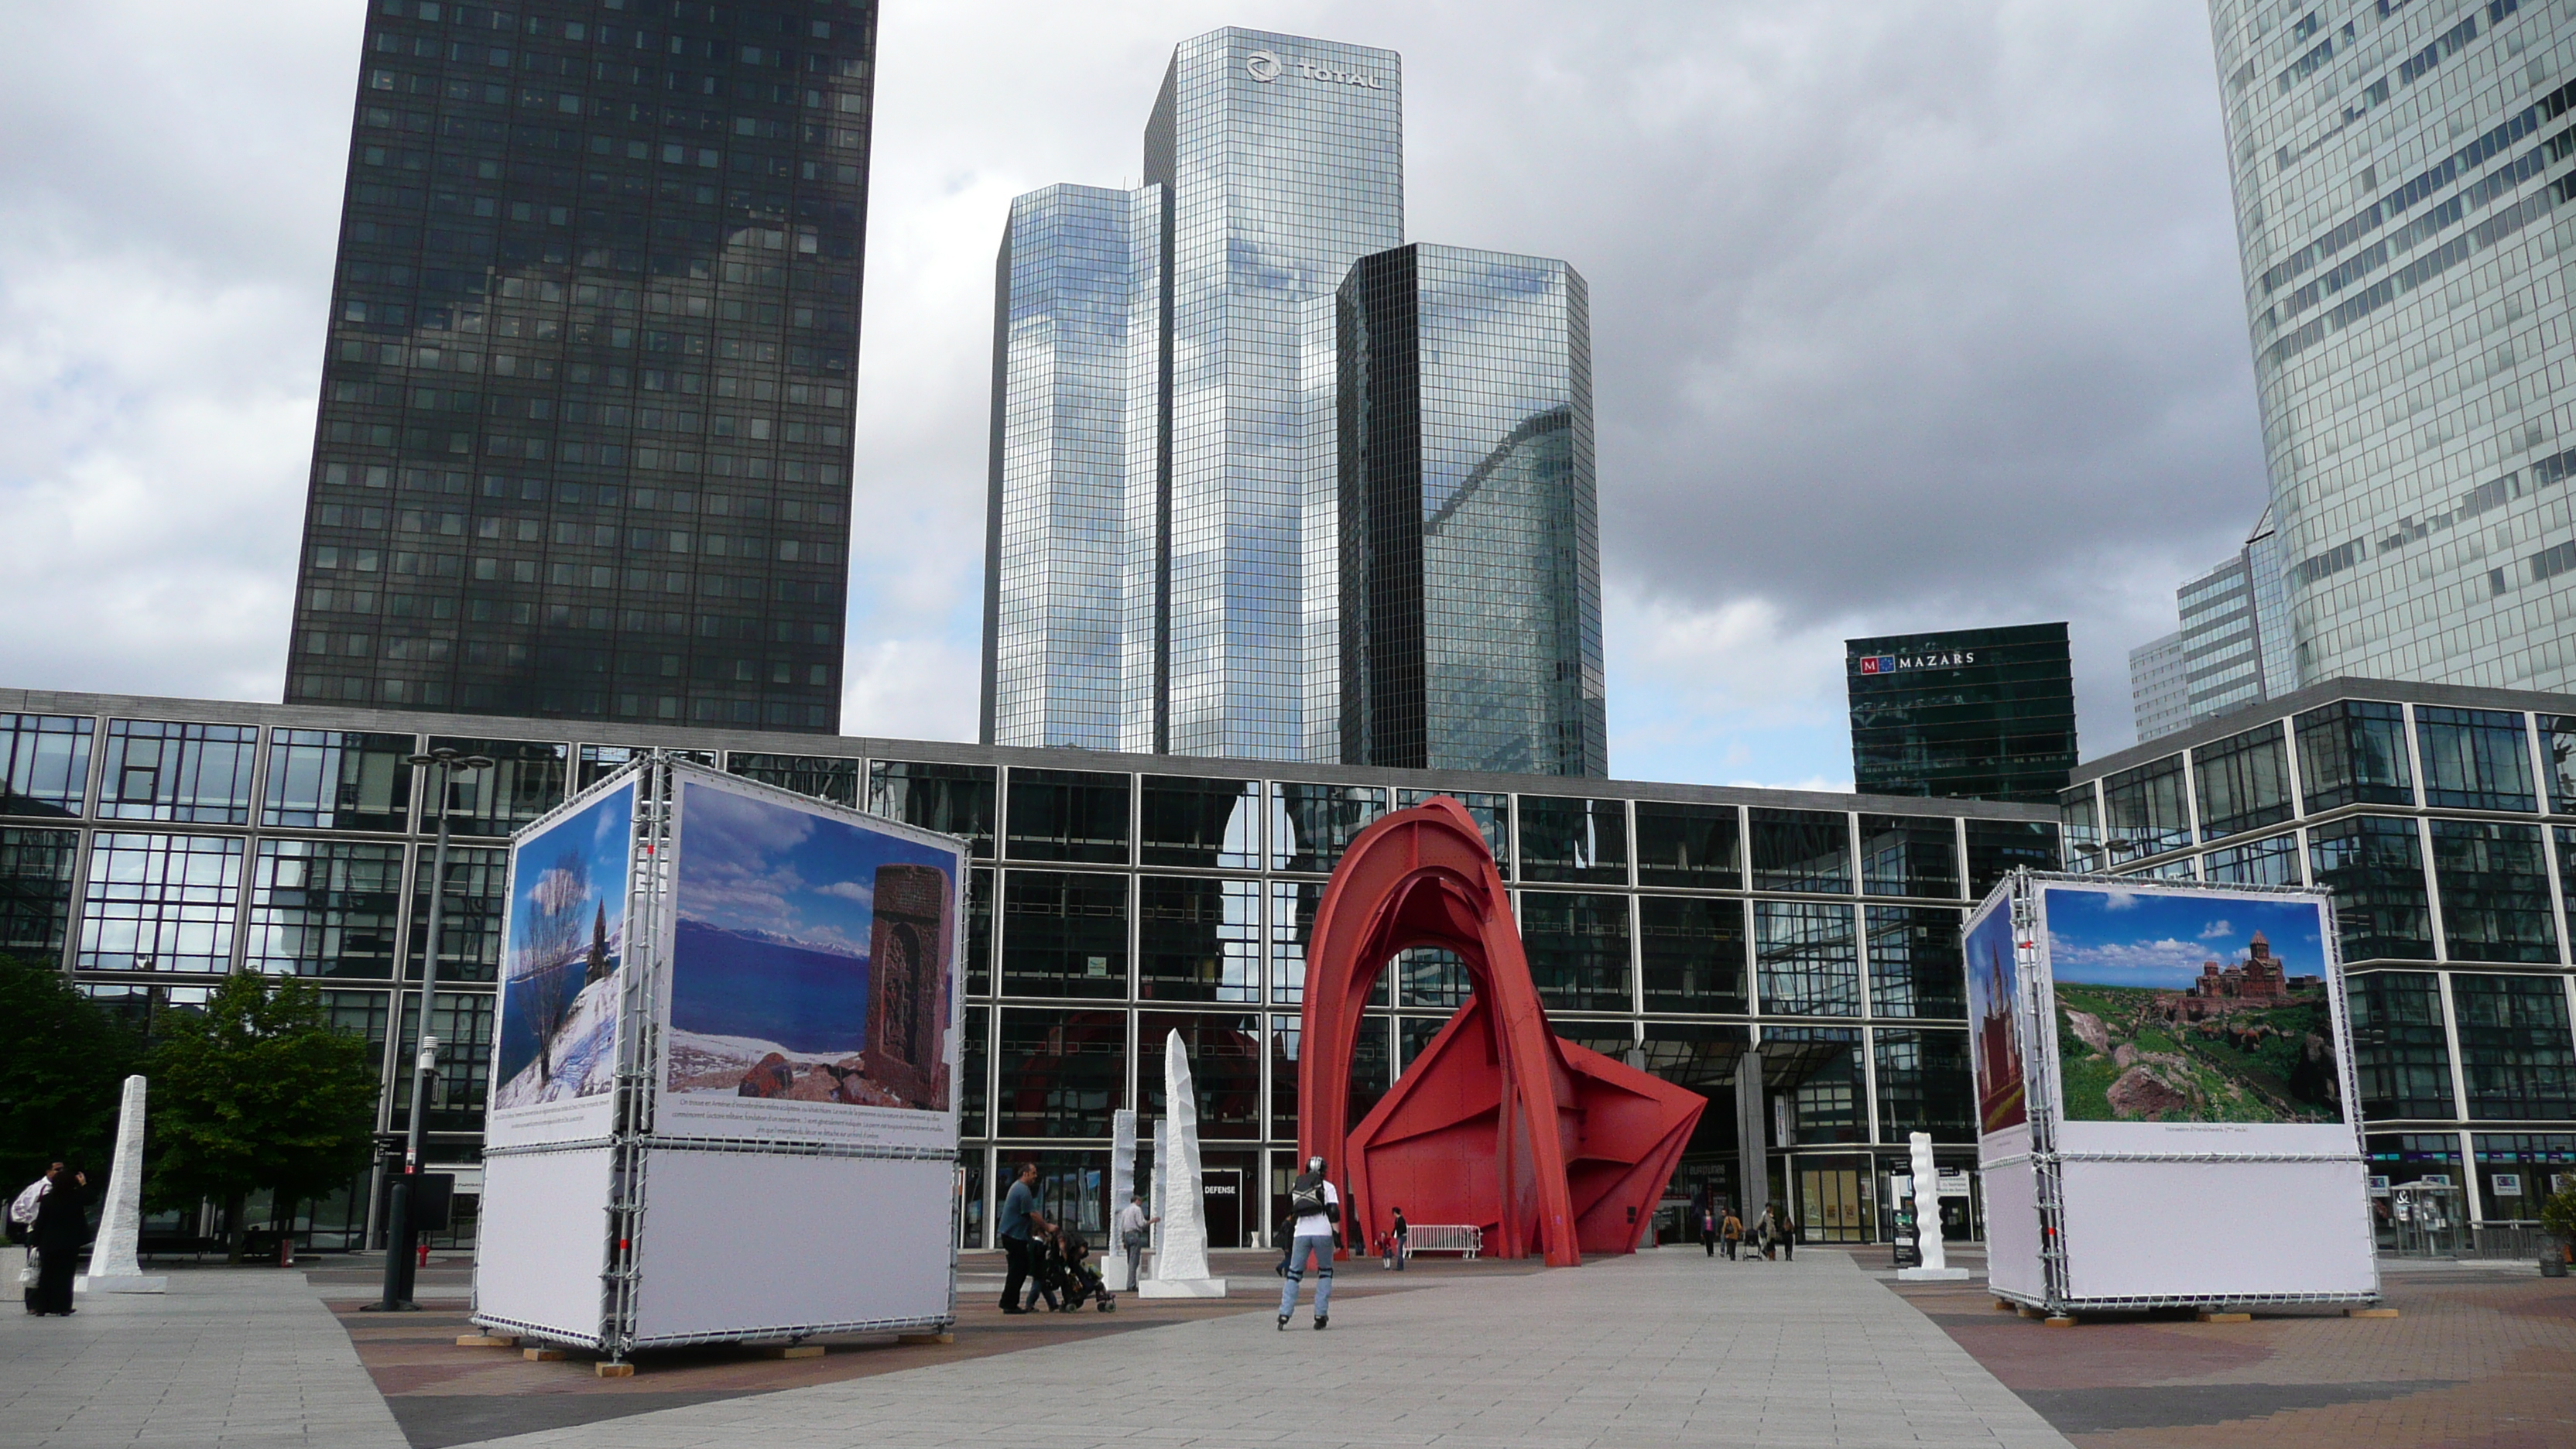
pixel 1165 547
pixel 1471 568
pixel 2401 178
pixel 584 445
pixel 1968 714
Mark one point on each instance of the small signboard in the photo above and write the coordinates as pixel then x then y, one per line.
pixel 2507 1184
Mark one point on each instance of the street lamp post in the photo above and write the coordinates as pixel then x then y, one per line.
pixel 399 1245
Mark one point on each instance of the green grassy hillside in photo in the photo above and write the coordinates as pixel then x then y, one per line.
pixel 2128 1054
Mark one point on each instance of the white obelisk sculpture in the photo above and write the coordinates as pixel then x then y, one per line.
pixel 1181 1266
pixel 1927 1219
pixel 1122 1186
pixel 113 1267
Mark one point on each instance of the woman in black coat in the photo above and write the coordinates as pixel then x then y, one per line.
pixel 61 1227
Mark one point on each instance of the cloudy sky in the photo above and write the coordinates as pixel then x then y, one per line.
pixel 1905 315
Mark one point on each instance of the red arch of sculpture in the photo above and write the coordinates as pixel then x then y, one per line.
pixel 1546 1145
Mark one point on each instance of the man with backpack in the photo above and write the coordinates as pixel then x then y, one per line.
pixel 1314 1206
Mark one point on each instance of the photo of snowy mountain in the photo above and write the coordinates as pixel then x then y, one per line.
pixel 557 1033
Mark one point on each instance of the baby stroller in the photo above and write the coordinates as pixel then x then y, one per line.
pixel 1071 1278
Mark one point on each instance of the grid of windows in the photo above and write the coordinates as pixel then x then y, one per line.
pixel 326 908
pixel 584 445
pixel 1970 714
pixel 160 902
pixel 44 763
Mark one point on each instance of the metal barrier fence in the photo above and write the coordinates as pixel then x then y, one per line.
pixel 1444 1238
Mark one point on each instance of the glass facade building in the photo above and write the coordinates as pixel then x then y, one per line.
pixel 1165 538
pixel 2159 687
pixel 1470 564
pixel 1970 714
pixel 584 443
pixel 2442 820
pixel 2402 175
pixel 2236 646
pixel 1114 898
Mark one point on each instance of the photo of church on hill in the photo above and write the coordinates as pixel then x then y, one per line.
pixel 2190 1007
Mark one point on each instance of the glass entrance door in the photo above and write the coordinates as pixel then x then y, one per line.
pixel 1833 1204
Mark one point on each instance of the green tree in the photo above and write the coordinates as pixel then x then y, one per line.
pixel 260 1090
pixel 2558 1216
pixel 63 1063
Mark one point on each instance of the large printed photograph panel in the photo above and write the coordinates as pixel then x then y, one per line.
pixel 562 964
pixel 1995 1024
pixel 2191 1007
pixel 812 971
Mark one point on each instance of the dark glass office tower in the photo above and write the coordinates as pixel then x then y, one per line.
pixel 1470 560
pixel 584 445
pixel 1972 714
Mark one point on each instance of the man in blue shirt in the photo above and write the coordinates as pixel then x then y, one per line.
pixel 1019 1215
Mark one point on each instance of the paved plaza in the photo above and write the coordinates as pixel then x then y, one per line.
pixel 1664 1348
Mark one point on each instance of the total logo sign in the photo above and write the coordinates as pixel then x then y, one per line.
pixel 1895 663
pixel 1266 67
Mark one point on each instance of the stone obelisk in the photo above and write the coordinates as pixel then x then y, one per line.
pixel 1927 1219
pixel 113 1267
pixel 1181 1265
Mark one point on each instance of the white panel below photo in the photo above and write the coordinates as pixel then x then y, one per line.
pixel 543 1241
pixel 2210 1230
pixel 2012 1231
pixel 756 1245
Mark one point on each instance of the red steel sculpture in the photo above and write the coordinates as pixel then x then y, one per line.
pixel 1498 1123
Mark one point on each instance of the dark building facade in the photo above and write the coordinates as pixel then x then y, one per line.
pixel 1470 562
pixel 584 443
pixel 1971 714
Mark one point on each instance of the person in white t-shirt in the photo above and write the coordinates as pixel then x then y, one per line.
pixel 1136 1235
pixel 1314 1206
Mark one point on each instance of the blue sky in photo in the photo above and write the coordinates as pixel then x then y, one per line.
pixel 2144 938
pixel 755 865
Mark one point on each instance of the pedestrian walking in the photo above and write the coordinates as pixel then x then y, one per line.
pixel 22 1223
pixel 1730 1230
pixel 1020 1220
pixel 56 1230
pixel 1788 1236
pixel 1314 1206
pixel 1135 1234
pixel 1707 1226
pixel 1403 1236
pixel 1767 1233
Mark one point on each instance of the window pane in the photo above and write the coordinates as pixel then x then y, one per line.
pixel 196 773
pixel 2495 891
pixel 1061 1072
pixel 975 1063
pixel 469 914
pixel 336 780
pixel 1998 847
pixel 2398 1049
pixel 979 932
pixel 1915 966
pixel 1283 1078
pixel 365 1014
pixel 2474 759
pixel 2145 810
pixel 526 780
pixel 1574 840
pixel 44 764
pixel 1801 850
pixel 951 799
pixel 2374 866
pixel 1909 855
pixel 462 1023
pixel 1311 825
pixel 1064 934
pixel 325 908
pixel 2557 754
pixel 1817 1068
pixel 598 762
pixel 160 903
pixel 2354 753
pixel 1209 823
pixel 2079 814
pixel 1578 949
pixel 824 777
pixel 1198 939
pixel 1492 814
pixel 1693 953
pixel 1430 976
pixel 2514 1046
pixel 36 869
pixel 1923 1085
pixel 2243 782
pixel 1068 815
pixel 1225 1069
pixel 1809 961
pixel 2273 860
pixel 1689 845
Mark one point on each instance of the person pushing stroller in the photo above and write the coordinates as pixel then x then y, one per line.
pixel 1070 1276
